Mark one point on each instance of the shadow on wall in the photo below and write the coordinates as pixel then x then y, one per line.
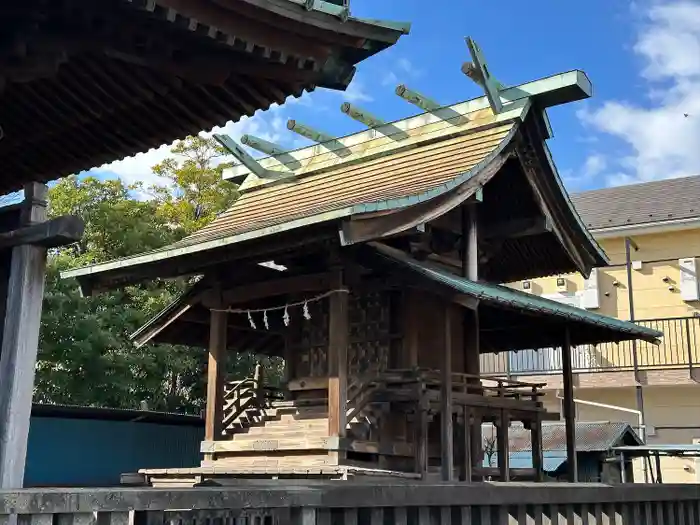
pixel 66 451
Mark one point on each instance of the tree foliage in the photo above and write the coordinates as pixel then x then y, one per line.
pixel 85 355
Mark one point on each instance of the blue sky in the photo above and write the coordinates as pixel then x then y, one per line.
pixel 643 59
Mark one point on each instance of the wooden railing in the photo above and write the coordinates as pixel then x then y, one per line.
pixel 366 503
pixel 247 400
pixel 679 349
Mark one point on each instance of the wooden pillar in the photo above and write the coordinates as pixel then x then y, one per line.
pixel 471 344
pixel 467 467
pixel 216 373
pixel 537 456
pixel 338 327
pixel 446 427
pixel 502 446
pixel 569 408
pixel 411 326
pixel 420 439
pixel 20 342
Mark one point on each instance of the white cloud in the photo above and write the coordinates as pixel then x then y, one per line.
pixel 408 67
pixel 594 165
pixel 390 79
pixel 660 139
pixel 356 92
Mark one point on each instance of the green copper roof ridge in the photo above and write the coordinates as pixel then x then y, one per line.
pixel 402 27
pixel 343 13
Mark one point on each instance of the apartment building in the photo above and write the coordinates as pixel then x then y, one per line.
pixel 651 233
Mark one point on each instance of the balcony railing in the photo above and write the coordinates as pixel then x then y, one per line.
pixel 679 349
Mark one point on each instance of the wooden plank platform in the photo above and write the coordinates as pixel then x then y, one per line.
pixel 220 475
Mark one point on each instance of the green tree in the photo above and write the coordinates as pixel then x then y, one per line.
pixel 86 356
pixel 196 192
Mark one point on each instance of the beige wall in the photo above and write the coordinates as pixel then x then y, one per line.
pixel 659 254
pixel 670 406
pixel 652 299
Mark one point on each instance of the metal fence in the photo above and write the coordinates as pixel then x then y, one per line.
pixel 299 502
pixel 679 349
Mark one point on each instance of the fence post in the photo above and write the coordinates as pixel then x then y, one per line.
pixel 305 516
pixel 688 342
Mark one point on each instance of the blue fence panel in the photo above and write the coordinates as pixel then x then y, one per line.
pixel 93 452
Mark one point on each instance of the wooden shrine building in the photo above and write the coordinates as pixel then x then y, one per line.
pixel 83 83
pixel 371 264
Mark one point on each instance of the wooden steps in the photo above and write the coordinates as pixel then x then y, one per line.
pixel 288 435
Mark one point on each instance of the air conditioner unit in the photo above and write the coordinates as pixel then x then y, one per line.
pixel 590 298
pixel 562 284
pixel 689 279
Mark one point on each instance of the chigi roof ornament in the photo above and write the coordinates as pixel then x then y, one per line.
pixel 479 72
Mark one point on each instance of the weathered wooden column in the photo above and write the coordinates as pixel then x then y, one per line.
pixel 216 373
pixel 536 440
pixel 338 327
pixel 569 408
pixel 446 428
pixel 420 438
pixel 23 294
pixel 502 427
pixel 471 346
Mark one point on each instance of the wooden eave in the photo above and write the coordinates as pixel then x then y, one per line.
pixel 99 81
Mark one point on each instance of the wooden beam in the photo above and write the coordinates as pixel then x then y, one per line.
pixel 339 331
pixel 569 409
pixel 216 371
pixel 20 341
pixel 446 427
pixel 261 290
pixel 50 234
pixel 516 228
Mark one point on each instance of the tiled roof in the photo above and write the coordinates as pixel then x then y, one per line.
pixel 597 436
pixel 638 204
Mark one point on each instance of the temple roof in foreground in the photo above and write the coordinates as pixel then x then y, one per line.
pixel 84 83
pixel 398 176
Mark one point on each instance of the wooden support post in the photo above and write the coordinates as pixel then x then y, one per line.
pixel 216 372
pixel 421 432
pixel 338 360
pixel 20 342
pixel 569 408
pixel 502 446
pixel 471 343
pixel 466 474
pixel 411 327
pixel 446 428
pixel 537 457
